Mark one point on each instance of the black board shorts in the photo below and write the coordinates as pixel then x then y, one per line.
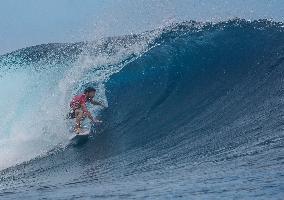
pixel 71 114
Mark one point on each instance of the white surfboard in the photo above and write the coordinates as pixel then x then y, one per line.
pixel 83 134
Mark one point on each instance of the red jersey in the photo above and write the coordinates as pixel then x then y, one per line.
pixel 79 101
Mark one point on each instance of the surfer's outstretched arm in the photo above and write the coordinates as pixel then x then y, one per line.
pixel 94 120
pixel 97 103
pixel 89 115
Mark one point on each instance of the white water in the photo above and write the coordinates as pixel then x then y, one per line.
pixel 34 103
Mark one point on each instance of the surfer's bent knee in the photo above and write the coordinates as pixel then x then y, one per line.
pixel 79 112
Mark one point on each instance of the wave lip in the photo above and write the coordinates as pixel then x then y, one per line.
pixel 196 115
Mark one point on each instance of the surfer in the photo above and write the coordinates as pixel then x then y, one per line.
pixel 79 110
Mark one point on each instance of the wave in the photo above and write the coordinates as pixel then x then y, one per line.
pixel 42 80
pixel 188 104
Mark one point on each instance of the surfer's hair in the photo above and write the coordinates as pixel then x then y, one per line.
pixel 89 89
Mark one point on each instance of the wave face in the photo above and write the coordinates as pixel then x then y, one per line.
pixel 194 111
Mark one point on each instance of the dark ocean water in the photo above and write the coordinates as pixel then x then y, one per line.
pixel 198 115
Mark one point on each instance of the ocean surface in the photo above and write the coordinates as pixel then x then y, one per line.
pixel 195 111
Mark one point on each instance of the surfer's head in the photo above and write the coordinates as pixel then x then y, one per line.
pixel 90 92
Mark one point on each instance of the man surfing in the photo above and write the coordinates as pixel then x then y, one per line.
pixel 79 110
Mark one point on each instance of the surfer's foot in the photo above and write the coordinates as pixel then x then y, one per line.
pixel 77 130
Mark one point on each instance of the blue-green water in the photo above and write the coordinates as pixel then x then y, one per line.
pixel 195 111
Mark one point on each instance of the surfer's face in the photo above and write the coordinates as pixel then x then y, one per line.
pixel 91 94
